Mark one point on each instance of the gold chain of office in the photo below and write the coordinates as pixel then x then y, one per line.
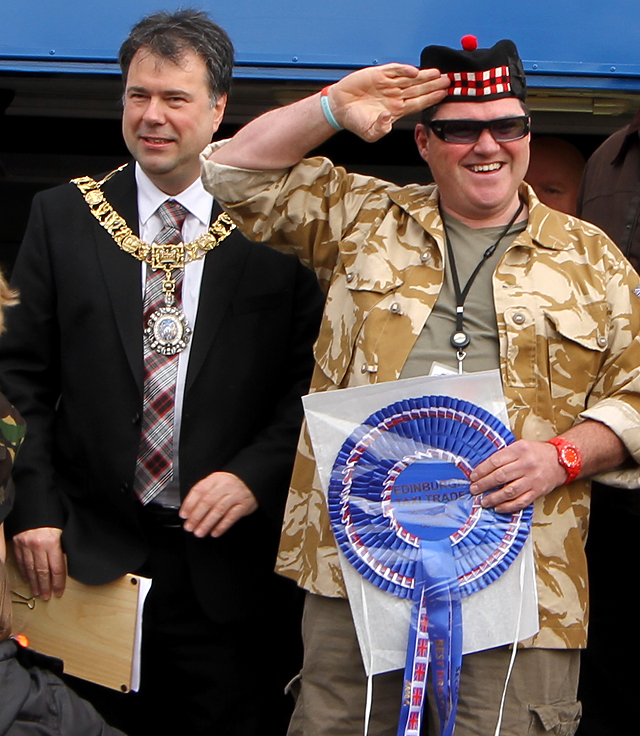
pixel 167 330
pixel 166 256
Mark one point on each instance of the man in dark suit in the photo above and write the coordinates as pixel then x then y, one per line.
pixel 163 404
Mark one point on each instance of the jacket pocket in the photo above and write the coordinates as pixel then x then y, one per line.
pixel 348 308
pixel 578 337
pixel 521 358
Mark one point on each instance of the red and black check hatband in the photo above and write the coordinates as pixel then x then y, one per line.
pixel 480 84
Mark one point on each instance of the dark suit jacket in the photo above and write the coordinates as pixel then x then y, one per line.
pixel 72 362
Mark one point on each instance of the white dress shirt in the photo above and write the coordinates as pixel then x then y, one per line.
pixel 198 203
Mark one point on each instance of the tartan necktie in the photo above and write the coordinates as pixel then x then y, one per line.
pixel 154 466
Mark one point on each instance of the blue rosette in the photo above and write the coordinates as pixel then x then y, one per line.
pixel 402 514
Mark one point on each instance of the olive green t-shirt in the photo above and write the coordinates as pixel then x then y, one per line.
pixel 434 342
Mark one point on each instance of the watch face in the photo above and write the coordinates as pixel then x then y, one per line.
pixel 570 456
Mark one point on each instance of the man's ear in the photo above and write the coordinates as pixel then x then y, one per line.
pixel 218 112
pixel 422 141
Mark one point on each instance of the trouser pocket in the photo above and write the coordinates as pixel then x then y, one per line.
pixel 560 719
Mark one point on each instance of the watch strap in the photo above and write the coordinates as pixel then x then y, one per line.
pixel 569 456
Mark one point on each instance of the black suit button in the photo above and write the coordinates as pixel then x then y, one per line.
pixel 135 419
pixel 125 488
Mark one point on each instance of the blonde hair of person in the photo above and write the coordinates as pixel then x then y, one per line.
pixel 8 297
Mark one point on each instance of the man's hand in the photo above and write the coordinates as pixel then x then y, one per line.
pixel 521 472
pixel 41 561
pixel 527 470
pixel 369 101
pixel 215 503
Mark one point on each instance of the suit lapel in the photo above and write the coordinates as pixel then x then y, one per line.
pixel 122 271
pixel 223 268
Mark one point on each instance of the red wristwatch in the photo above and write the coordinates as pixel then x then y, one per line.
pixel 569 456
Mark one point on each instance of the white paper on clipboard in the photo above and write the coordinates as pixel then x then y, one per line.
pixel 144 586
pixel 490 617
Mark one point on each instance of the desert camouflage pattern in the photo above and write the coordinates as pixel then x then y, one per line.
pixel 12 431
pixel 567 317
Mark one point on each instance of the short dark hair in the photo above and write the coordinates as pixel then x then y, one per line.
pixel 170 35
pixel 427 115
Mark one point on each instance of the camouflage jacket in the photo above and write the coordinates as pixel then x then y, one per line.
pixel 12 431
pixel 567 320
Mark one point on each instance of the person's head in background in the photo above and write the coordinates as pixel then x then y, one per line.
pixel 555 171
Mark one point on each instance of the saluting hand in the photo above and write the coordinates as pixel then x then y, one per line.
pixel 369 101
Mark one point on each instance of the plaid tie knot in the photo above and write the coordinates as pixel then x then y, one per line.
pixel 172 214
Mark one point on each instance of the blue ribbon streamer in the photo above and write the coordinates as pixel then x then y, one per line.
pixel 426 538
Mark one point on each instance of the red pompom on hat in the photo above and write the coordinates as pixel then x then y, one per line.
pixel 469 42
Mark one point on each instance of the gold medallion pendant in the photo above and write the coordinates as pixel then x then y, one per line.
pixel 167 331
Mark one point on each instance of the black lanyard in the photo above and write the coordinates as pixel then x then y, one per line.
pixel 460 339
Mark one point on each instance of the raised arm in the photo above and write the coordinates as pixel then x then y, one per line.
pixel 366 102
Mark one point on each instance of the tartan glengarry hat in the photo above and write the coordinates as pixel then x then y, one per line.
pixel 478 75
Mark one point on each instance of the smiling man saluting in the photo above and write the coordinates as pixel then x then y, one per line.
pixel 473 273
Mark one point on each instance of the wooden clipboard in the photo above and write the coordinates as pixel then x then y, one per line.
pixel 92 628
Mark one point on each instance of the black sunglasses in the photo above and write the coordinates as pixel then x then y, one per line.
pixel 503 130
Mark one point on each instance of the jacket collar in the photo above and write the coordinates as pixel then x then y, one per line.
pixel 380 266
pixel 421 203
